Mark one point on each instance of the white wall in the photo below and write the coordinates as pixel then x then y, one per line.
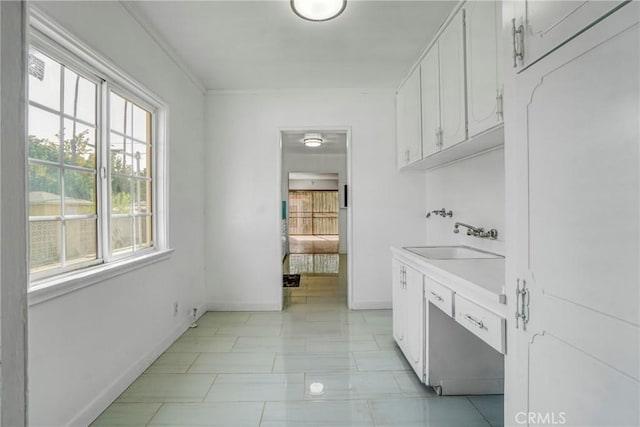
pixel 474 189
pixel 243 265
pixel 318 163
pixel 87 346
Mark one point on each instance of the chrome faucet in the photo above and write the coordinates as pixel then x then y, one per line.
pixel 476 231
pixel 442 212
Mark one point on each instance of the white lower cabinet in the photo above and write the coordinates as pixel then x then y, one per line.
pixel 415 321
pixel 399 301
pixel 408 312
pixel 439 295
pixel 443 352
pixel 457 361
pixel 481 322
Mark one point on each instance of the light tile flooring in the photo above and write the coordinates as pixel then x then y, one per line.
pixel 256 369
pixel 321 275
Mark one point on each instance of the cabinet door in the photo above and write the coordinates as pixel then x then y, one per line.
pixel 409 121
pixel 483 26
pixel 572 155
pixel 452 82
pixel 430 77
pixel 548 24
pixel 398 302
pixel 415 320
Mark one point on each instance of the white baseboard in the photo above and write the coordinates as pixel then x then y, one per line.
pixel 471 386
pixel 371 305
pixel 243 306
pixel 111 392
pixel 275 306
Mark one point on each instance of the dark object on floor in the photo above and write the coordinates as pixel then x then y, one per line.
pixel 291 280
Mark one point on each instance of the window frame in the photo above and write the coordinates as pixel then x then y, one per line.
pixel 62 166
pixel 54 41
pixel 107 89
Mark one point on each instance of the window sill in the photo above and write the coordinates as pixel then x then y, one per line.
pixel 51 288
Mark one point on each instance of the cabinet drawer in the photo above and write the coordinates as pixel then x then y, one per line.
pixel 487 325
pixel 439 295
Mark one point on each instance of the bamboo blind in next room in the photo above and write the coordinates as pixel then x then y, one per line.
pixel 313 212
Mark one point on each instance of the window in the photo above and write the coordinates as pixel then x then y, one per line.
pixel 131 176
pixel 63 197
pixel 93 153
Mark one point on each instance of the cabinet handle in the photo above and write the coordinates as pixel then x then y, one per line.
pixel 475 321
pixel 436 296
pixel 522 304
pixel 517 35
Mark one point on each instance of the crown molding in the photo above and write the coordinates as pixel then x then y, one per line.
pixel 294 91
pixel 162 43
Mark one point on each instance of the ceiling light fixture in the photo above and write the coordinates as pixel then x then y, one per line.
pixel 312 140
pixel 318 10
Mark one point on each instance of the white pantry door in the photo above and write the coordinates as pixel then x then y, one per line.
pixel 574 174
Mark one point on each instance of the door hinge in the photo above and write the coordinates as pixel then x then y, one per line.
pixel 500 106
pixel 439 142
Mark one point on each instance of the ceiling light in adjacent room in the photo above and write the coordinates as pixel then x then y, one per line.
pixel 316 389
pixel 312 140
pixel 318 10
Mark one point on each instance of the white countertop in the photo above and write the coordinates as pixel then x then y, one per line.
pixel 482 279
pixel 486 273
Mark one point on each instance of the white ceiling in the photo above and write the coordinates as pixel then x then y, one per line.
pixel 334 142
pixel 236 45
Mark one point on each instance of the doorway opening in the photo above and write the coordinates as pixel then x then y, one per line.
pixel 314 218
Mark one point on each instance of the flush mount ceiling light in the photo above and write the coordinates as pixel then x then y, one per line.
pixel 318 10
pixel 312 140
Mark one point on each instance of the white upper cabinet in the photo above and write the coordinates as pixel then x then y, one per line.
pixel 484 65
pixel 443 90
pixel 430 73
pixel 452 93
pixel 459 98
pixel 542 26
pixel 572 137
pixel 408 116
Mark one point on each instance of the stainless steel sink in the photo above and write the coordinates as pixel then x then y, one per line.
pixel 451 252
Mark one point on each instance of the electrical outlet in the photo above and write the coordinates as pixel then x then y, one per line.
pixel 175 308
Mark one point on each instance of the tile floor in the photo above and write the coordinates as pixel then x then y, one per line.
pixel 322 275
pixel 318 244
pixel 256 369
